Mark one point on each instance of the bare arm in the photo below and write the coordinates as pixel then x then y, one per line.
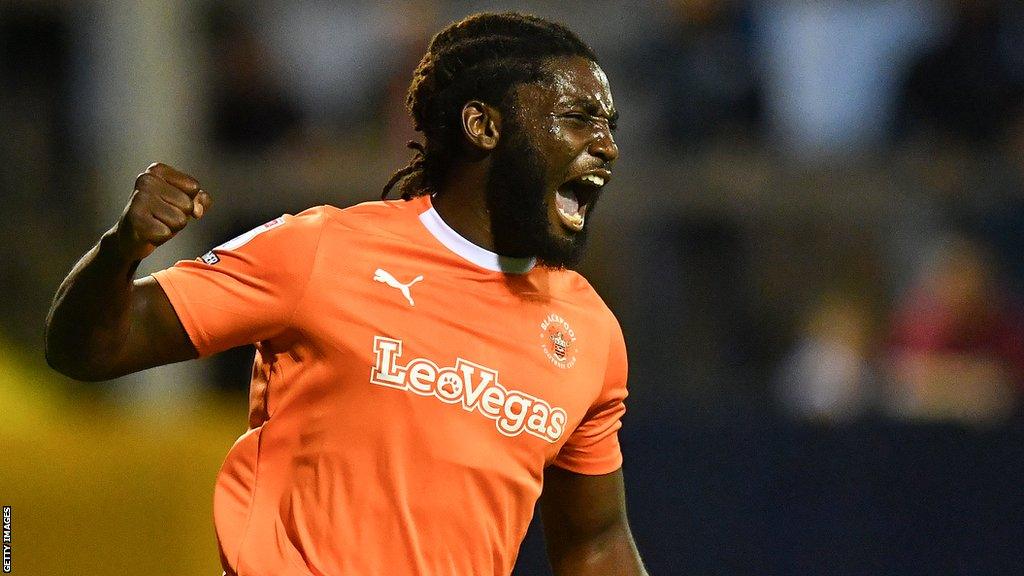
pixel 102 324
pixel 585 525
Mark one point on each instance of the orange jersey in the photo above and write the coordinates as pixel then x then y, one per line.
pixel 408 391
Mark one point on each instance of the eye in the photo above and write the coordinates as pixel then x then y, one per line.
pixel 585 118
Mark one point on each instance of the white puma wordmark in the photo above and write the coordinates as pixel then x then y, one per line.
pixel 382 275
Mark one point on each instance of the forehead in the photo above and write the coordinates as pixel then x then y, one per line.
pixel 571 80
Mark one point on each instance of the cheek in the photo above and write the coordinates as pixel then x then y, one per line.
pixel 562 136
pixel 564 143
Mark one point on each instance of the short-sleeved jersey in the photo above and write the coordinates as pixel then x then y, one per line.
pixel 408 391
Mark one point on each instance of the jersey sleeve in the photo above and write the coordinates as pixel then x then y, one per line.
pixel 593 448
pixel 247 289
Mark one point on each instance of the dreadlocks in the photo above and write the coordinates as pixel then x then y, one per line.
pixel 477 58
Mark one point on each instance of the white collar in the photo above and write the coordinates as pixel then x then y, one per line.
pixel 482 257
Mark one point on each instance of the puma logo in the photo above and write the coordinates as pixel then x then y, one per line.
pixel 382 275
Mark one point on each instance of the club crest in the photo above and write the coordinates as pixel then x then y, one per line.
pixel 558 341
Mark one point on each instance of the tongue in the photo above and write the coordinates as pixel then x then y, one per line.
pixel 567 202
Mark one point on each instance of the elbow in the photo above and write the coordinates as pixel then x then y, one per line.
pixel 76 370
pixel 76 374
pixel 71 368
pixel 73 362
pixel 56 358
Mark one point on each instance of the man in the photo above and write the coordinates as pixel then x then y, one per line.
pixel 424 365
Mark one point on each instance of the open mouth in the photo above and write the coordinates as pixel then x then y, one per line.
pixel 573 198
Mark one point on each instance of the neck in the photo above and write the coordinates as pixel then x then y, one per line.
pixel 462 203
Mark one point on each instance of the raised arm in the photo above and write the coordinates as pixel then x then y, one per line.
pixel 102 323
pixel 585 525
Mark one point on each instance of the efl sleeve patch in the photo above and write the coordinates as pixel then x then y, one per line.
pixel 244 239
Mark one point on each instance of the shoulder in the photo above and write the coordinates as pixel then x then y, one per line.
pixel 571 285
pixel 301 231
pixel 387 216
pixel 366 215
pixel 282 232
pixel 327 237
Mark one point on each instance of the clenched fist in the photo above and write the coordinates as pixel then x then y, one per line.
pixel 160 207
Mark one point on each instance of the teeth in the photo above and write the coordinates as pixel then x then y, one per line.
pixel 574 220
pixel 593 179
pixel 571 214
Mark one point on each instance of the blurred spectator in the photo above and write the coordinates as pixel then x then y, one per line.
pixel 968 84
pixel 998 196
pixel 37 153
pixel 340 55
pixel 251 111
pixel 832 69
pixel 957 347
pixel 828 376
pixel 695 340
pixel 411 33
pixel 698 70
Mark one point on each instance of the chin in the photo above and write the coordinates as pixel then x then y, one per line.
pixel 563 248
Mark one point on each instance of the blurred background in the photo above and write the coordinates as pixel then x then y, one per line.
pixel 814 244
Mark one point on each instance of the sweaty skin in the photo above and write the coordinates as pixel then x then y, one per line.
pixel 580 113
pixel 102 324
pixel 567 118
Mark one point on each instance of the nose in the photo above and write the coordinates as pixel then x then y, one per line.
pixel 603 146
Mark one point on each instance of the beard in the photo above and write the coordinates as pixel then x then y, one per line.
pixel 518 203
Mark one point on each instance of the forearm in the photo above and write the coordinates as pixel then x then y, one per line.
pixel 89 321
pixel 102 324
pixel 609 552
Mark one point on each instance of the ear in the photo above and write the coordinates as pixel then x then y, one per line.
pixel 481 125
